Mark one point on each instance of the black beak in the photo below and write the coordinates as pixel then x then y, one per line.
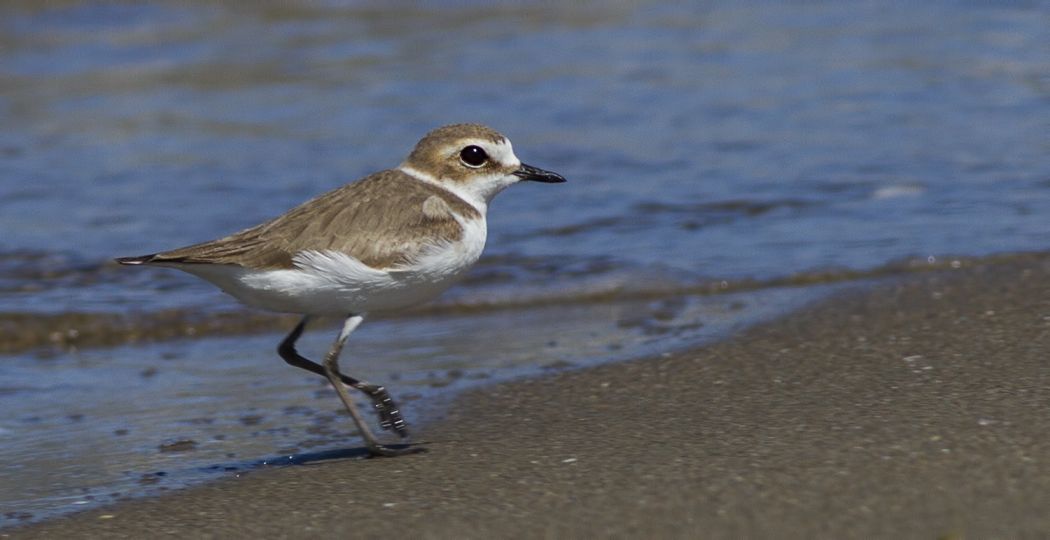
pixel 528 172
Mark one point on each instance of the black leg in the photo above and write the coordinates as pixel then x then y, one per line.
pixel 389 414
pixel 287 351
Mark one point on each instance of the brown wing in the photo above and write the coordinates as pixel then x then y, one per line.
pixel 379 220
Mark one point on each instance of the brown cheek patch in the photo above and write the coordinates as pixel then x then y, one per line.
pixel 453 170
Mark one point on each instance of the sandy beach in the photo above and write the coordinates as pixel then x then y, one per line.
pixel 916 409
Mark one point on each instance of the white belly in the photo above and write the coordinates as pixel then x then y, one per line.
pixel 334 283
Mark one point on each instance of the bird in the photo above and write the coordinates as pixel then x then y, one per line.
pixel 392 239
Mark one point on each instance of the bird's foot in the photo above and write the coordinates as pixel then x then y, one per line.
pixel 390 417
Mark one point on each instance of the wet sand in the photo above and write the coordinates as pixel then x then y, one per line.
pixel 919 409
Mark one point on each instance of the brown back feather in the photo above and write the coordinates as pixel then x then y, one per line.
pixel 360 219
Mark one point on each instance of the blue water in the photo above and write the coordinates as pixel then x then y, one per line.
pixel 705 141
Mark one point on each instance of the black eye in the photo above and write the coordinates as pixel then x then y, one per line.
pixel 473 156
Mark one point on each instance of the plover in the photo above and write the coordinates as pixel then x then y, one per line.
pixel 392 239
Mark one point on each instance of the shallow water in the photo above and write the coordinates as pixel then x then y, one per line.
pixel 145 419
pixel 766 147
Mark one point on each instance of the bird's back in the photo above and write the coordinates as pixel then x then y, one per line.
pixel 377 220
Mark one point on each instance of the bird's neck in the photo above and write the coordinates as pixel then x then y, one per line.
pixel 478 202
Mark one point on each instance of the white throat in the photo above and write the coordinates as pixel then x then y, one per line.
pixel 475 198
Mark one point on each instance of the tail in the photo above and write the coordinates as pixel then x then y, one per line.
pixel 142 259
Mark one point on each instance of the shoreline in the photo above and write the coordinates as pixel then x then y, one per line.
pixel 29 331
pixel 915 409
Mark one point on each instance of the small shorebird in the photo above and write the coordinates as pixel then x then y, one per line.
pixel 394 238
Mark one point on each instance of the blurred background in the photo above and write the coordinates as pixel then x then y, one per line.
pixel 727 162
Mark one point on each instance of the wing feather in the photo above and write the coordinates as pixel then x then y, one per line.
pixel 383 220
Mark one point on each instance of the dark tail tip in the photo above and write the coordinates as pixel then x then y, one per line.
pixel 142 259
